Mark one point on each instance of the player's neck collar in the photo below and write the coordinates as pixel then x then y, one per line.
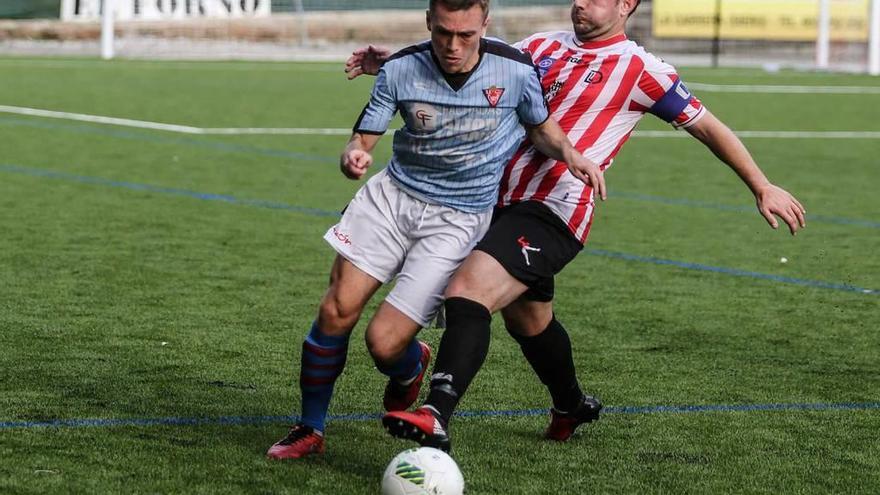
pixel 595 45
pixel 457 81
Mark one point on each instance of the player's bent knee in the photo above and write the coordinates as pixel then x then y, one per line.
pixel 384 347
pixel 335 316
pixel 525 323
pixel 459 286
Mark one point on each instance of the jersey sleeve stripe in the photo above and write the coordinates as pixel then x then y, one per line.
pixel 692 119
pixel 651 87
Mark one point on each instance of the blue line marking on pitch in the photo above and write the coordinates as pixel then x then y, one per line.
pixel 51 174
pixel 244 149
pixel 251 420
pixel 154 138
pixel 732 271
pixel 326 213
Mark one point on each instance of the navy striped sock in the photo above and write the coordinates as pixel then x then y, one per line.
pixel 408 366
pixel 323 359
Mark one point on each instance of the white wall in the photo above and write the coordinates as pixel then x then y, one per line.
pixel 90 10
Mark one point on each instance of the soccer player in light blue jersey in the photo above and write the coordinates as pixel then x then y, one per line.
pixel 467 102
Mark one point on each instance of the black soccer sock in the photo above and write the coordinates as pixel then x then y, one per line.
pixel 550 355
pixel 462 351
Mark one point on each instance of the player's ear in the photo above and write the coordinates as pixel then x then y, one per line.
pixel 428 19
pixel 486 25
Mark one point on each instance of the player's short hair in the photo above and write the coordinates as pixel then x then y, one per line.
pixel 633 11
pixel 455 5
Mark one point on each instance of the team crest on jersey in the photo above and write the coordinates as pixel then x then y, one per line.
pixel 544 65
pixel 493 94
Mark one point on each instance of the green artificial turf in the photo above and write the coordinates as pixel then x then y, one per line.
pixel 150 275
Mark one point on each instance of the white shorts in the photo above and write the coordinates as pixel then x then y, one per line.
pixel 388 233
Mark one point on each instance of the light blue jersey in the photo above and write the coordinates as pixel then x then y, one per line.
pixel 459 132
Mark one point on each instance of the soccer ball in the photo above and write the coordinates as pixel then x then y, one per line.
pixel 422 471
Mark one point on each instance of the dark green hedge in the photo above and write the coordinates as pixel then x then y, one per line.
pixel 30 9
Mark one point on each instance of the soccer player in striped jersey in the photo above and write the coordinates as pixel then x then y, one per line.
pixel 598 85
pixel 467 102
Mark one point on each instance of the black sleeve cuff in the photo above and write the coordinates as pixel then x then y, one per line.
pixel 372 133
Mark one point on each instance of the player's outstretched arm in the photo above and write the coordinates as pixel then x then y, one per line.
pixel 366 60
pixel 772 200
pixel 356 158
pixel 551 140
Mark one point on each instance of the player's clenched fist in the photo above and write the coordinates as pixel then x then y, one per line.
pixel 354 163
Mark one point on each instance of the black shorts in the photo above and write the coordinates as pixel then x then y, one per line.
pixel 533 244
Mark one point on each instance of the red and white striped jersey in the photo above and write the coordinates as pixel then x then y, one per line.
pixel 598 92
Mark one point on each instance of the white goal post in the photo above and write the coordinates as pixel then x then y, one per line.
pixel 874 40
pixel 823 36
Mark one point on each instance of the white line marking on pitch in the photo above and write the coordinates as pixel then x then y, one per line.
pixel 773 134
pixel 337 67
pixel 183 129
pixel 776 89
pixel 253 131
pixel 270 66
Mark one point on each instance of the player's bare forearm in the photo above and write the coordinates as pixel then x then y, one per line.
pixel 363 142
pixel 729 149
pixel 551 140
pixel 772 200
pixel 357 158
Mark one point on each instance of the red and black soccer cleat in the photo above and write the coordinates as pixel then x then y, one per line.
pixel 400 397
pixel 300 441
pixel 563 425
pixel 420 425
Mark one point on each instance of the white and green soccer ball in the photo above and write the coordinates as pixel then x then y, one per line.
pixel 422 471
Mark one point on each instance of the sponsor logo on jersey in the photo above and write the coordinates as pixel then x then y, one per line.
pixel 552 90
pixel 594 77
pixel 493 95
pixel 344 238
pixel 424 116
